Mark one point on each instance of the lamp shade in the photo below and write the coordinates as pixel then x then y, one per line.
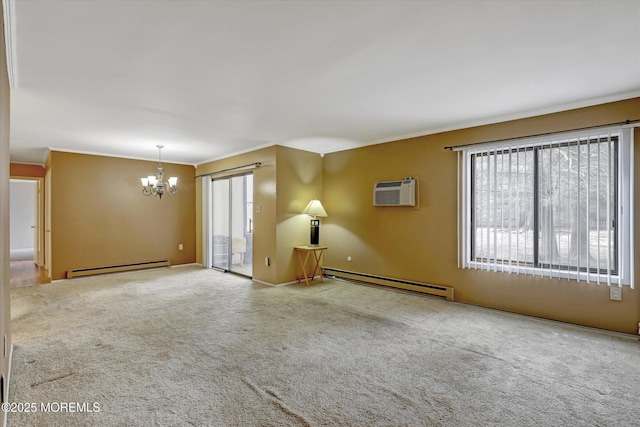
pixel 315 208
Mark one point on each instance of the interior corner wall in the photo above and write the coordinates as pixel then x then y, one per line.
pixel 285 182
pixel 5 312
pixel 99 216
pixel 264 199
pixel 420 243
pixel 299 180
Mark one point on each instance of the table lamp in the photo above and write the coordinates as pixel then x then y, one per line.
pixel 315 209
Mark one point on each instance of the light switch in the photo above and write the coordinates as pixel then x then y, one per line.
pixel 615 293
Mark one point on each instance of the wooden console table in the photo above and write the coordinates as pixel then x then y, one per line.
pixel 303 255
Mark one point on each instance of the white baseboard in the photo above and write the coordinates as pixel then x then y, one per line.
pixel 263 282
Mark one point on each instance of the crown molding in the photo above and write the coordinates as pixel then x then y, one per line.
pixel 236 153
pixel 510 117
pixel 95 153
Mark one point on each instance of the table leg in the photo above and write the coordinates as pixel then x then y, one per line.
pixel 317 255
pixel 303 264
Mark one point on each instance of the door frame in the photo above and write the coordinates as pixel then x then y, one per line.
pixel 207 221
pixel 39 215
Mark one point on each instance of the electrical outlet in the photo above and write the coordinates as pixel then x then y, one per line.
pixel 267 261
pixel 180 247
pixel 615 293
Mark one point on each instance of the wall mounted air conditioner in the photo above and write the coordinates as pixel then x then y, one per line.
pixel 395 193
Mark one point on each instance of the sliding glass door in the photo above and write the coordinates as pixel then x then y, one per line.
pixel 232 224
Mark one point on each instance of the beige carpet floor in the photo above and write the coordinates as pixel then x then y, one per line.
pixel 188 346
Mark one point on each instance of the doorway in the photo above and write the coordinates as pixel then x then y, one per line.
pixel 24 237
pixel 26 232
pixel 232 224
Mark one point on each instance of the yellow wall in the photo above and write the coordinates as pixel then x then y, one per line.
pixel 420 243
pixel 5 313
pixel 297 176
pixel 99 216
pixel 299 180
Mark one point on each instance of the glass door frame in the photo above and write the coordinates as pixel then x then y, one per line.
pixel 238 247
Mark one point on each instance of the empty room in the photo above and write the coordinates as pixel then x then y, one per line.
pixel 319 213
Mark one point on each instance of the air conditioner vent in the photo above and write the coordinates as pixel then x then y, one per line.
pixel 395 193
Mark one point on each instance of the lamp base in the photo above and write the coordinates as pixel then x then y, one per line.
pixel 315 232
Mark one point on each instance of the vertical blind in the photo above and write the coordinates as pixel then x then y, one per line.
pixel 556 205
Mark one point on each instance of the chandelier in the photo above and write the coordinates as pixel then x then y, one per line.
pixel 154 185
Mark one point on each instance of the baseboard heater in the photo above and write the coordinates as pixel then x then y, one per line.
pixel 79 272
pixel 435 290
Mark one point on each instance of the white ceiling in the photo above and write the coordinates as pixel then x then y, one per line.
pixel 208 79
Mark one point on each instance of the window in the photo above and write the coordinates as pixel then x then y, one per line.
pixel 558 206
